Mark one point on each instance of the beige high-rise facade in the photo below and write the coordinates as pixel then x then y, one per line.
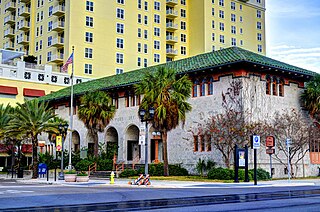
pixel 115 36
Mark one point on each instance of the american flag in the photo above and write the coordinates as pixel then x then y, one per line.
pixel 64 68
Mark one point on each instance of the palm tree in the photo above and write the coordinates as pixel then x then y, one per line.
pixel 5 112
pixel 96 111
pixel 31 119
pixel 168 95
pixel 311 97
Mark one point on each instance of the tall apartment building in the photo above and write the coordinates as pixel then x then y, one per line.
pixel 115 36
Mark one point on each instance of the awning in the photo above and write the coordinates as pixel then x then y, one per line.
pixel 33 92
pixel 8 90
pixel 26 148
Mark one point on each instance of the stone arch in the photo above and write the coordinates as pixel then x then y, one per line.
pixel 132 141
pixel 75 141
pixel 112 143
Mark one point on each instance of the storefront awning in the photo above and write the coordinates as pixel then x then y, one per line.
pixel 8 90
pixel 33 92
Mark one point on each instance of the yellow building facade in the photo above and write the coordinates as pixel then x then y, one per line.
pixel 115 36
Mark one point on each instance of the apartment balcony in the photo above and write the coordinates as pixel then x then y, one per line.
pixel 172 2
pixel 57 42
pixel 171 26
pixel 9 33
pixel 25 1
pixel 172 13
pixel 10 6
pixel 24 40
pixel 58 26
pixel 25 12
pixel 56 58
pixel 171 52
pixel 9 45
pixel 24 26
pixel 171 39
pixel 10 19
pixel 58 10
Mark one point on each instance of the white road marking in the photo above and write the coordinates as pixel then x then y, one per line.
pixel 15 192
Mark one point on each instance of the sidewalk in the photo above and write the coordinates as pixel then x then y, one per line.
pixel 165 183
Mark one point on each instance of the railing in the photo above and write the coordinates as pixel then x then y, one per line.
pixel 120 165
pixel 92 167
pixel 172 25
pixel 135 161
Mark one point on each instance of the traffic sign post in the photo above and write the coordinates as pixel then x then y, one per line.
pixel 255 144
pixel 288 144
pixel 270 143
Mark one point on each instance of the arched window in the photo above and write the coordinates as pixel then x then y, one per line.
pixel 210 86
pixel 195 88
pixel 203 88
pixel 195 143
pixel 268 85
pixel 281 87
pixel 275 86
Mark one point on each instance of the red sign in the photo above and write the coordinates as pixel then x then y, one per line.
pixel 270 141
pixel 270 151
pixel 58 148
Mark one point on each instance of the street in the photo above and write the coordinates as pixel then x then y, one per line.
pixel 16 196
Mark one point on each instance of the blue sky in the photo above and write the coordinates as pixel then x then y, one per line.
pixel 293 32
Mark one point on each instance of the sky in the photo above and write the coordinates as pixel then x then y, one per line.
pixel 293 32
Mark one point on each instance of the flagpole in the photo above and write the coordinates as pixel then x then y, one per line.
pixel 71 112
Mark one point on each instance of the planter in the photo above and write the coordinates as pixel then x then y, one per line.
pixel 70 177
pixel 82 178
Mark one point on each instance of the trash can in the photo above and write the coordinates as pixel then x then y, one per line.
pixel 20 172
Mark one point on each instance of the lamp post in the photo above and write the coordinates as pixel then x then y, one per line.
pixel 145 118
pixel 63 131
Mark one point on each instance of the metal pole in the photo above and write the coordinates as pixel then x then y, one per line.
pixel 270 166
pixel 289 169
pixel 71 112
pixel 255 166
pixel 61 175
pixel 146 150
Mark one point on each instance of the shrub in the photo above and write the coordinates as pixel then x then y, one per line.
pixel 261 174
pixel 128 173
pixel 83 165
pixel 221 174
pixel 177 170
pixel 104 164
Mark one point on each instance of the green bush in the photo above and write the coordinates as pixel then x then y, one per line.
pixel 104 164
pixel 221 174
pixel 83 165
pixel 128 173
pixel 177 170
pixel 262 174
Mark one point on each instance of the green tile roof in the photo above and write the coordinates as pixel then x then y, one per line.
pixel 202 61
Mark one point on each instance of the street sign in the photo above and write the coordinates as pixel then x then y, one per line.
pixel 142 135
pixel 270 141
pixel 288 142
pixel 59 143
pixel 270 151
pixel 255 142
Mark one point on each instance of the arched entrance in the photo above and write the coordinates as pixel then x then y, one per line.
pixel 133 147
pixel 111 141
pixel 75 141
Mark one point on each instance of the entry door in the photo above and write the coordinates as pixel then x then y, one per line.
pixel 133 150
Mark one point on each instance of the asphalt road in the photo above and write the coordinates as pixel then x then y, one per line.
pixel 28 197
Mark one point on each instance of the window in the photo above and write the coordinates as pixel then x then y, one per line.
pixel 145 34
pixel 221 13
pixel 89 37
pixel 195 88
pixel 222 26
pixel 37 46
pixel 146 6
pixel 201 142
pixel 195 143
pixel 139 47
pixel 88 68
pixel 120 1
pixel 258 14
pixel 183 38
pixel 233 17
pixel 49 41
pixel 210 86
pixel 120 13
pixel 40 44
pixel 241 30
pixel 213 48
pixel 183 50
pixel 233 6
pixel 119 70
pixel 157 58
pixel 212 36
pixel 145 48
pixel 139 4
pixel 139 18
pixel 183 13
pixel 203 88
pixel 233 41
pixel 221 3
pixel 274 86
pixel 281 87
pixel 120 43
pixel 145 62
pixel 156 44
pixel 241 42
pixel 208 141
pixel 233 30
pixel 240 7
pixel 259 25
pixel 49 54
pixel 183 25
pixel 157 5
pixel 156 31
pixel 240 19
pixel 221 38
pixel 89 21
pixel 139 33
pixel 50 10
pixel 259 48
pixel 145 20
pixel 212 11
pixel 139 62
pixel 119 58
pixel 88 53
pixel 259 1
pixel 120 28
pixel 41 30
pixel 89 6
pixel 157 18
pixel 212 25
pixel 183 2
pixel 49 26
pixel 268 85
pixel 259 36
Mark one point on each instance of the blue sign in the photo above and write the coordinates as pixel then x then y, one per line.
pixel 255 141
pixel 42 168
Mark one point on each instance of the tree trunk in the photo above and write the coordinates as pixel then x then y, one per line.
pixel 35 158
pixel 96 143
pixel 165 153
